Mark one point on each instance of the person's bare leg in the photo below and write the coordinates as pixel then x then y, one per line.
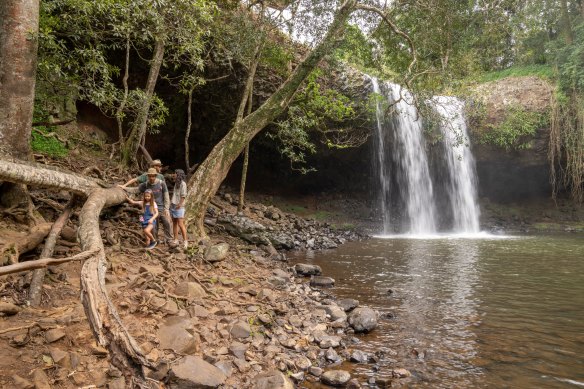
pixel 175 224
pixel 148 233
pixel 183 229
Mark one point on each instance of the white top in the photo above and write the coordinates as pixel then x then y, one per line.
pixel 178 193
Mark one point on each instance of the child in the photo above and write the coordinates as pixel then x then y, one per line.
pixel 148 218
pixel 177 208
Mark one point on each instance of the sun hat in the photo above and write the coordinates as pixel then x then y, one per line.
pixel 152 172
pixel 156 162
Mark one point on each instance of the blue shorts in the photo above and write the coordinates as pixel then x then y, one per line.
pixel 177 213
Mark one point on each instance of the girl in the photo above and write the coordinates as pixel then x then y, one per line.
pixel 177 208
pixel 148 218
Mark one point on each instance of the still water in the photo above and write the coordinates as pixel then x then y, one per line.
pixel 469 313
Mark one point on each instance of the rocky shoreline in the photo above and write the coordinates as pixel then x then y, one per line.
pixel 229 313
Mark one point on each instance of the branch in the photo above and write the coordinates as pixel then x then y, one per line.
pixel 396 30
pixel 42 263
pixel 28 173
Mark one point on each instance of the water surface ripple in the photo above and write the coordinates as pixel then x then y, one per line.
pixel 469 313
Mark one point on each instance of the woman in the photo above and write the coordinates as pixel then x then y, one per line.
pixel 177 207
pixel 148 218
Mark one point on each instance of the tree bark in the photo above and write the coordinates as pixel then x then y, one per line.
pixel 567 23
pixel 188 131
pixel 36 284
pixel 138 132
pixel 13 250
pixel 208 177
pixel 43 263
pixel 19 24
pixel 120 110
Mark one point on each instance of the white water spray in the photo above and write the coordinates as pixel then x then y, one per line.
pixel 461 164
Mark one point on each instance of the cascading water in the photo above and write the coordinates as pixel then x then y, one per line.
pixel 408 165
pixel 383 167
pixel 461 164
pixel 413 175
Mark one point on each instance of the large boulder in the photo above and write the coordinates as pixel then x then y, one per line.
pixel 362 319
pixel 194 372
pixel 321 282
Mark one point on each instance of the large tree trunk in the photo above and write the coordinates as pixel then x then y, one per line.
pixel 19 25
pixel 122 106
pixel 567 23
pixel 138 132
pixel 204 183
pixel 188 131
pixel 103 318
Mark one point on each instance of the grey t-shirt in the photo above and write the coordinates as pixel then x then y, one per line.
pixel 179 192
pixel 159 191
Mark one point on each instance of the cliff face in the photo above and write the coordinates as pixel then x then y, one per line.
pixel 512 174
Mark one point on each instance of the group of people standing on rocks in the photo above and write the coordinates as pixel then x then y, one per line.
pixel 158 208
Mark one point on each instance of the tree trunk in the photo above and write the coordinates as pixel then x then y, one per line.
pixel 19 24
pixel 241 203
pixel 208 177
pixel 36 284
pixel 103 318
pixel 120 110
pixel 566 22
pixel 138 131
pixel 188 132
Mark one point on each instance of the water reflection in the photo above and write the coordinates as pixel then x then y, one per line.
pixel 469 313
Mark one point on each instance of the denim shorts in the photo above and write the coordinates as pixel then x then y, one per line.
pixel 177 213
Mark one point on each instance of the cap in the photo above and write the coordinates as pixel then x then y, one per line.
pixel 152 172
pixel 156 162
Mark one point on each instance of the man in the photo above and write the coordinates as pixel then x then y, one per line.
pixel 162 199
pixel 156 164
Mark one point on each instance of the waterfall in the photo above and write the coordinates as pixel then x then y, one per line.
pixel 461 164
pixel 410 162
pixel 402 160
pixel 383 168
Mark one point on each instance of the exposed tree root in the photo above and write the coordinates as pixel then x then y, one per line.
pixel 43 263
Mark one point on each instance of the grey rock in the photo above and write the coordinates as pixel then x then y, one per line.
pixel 117 383
pixel 316 371
pixel 354 384
pixel 272 379
pixel 321 282
pixel 335 377
pixel 359 356
pixel 362 319
pixel 240 330
pixel 348 304
pixel 335 312
pixel 304 269
pixel 226 367
pixel 281 273
pixel 332 356
pixel 278 281
pixel 217 252
pixel 238 349
pixel 330 341
pixel 194 372
pixel 173 335
pixel 302 363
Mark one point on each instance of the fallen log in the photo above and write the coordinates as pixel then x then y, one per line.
pixel 43 263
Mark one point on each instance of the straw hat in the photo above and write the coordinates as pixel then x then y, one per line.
pixel 152 172
pixel 156 162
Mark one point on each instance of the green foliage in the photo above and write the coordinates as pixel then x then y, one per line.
pixel 42 142
pixel 518 125
pixel 541 71
pixel 314 109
